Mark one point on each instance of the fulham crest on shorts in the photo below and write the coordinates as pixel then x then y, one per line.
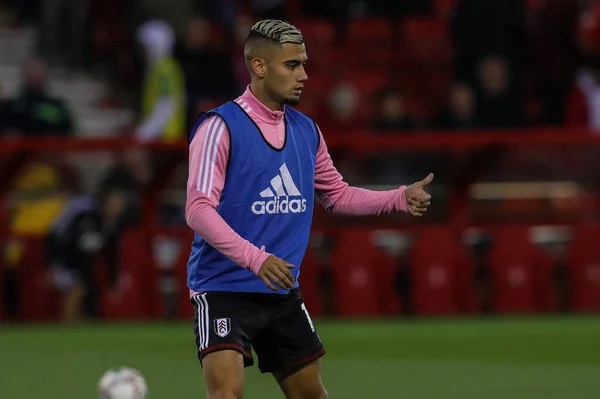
pixel 281 197
pixel 222 327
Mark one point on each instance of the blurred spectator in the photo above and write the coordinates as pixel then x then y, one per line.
pixel 242 28
pixel 223 11
pixel 497 105
pixel 130 176
pixel 343 106
pixel 461 110
pixel 390 113
pixel 554 55
pixel 26 11
pixel 82 231
pixel 64 21
pixel 481 28
pixel 163 104
pixel 207 69
pixel 400 9
pixel 34 111
pixel 265 9
pixel 588 86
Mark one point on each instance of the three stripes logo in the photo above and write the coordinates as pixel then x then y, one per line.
pixel 286 198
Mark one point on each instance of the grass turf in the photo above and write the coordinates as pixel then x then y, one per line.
pixel 529 358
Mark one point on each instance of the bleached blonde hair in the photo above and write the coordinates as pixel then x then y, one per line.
pixel 277 31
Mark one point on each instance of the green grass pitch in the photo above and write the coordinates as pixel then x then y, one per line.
pixel 528 358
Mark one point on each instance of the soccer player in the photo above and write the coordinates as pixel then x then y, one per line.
pixel 255 166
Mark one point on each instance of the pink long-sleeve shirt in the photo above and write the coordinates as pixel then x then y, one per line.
pixel 209 153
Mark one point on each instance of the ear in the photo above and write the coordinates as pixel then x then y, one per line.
pixel 259 66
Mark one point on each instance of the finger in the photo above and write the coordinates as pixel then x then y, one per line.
pixel 419 203
pixel 421 197
pixel 275 278
pixel 289 266
pixel 268 283
pixel 289 274
pixel 284 279
pixel 416 212
pixel 421 206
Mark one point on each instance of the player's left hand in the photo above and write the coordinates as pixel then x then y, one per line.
pixel 417 199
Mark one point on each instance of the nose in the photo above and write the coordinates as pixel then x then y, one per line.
pixel 303 75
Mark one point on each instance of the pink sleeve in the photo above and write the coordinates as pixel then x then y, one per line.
pixel 338 197
pixel 209 153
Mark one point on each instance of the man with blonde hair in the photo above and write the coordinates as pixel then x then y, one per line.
pixel 255 165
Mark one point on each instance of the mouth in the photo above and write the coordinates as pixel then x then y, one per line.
pixel 298 91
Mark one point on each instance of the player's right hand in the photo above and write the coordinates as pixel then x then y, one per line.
pixel 276 271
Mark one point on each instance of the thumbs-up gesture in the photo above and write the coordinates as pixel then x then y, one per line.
pixel 417 199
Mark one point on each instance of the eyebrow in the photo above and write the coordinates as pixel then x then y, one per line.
pixel 295 61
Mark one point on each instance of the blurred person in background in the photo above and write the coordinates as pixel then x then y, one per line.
pixel 131 174
pixel 480 28
pixel 390 113
pixel 554 55
pixel 34 112
pixel 584 98
pixel 273 9
pixel 460 112
pixel 242 26
pixel 85 229
pixel 164 99
pixel 498 105
pixel 207 69
pixel 64 21
pixel 343 106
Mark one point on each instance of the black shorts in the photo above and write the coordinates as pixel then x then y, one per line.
pixel 277 327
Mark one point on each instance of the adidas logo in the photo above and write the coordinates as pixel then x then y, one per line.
pixel 284 194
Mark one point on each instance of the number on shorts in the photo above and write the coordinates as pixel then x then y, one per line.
pixel 312 327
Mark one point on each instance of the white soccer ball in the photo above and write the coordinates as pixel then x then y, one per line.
pixel 122 383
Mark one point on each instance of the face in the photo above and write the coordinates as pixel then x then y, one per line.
pixel 494 76
pixel 392 107
pixel 114 206
pixel 198 33
pixel 462 102
pixel 284 74
pixel 35 74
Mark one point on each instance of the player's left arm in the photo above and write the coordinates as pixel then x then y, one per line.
pixel 339 197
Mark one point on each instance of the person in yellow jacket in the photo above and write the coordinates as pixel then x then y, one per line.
pixel 163 104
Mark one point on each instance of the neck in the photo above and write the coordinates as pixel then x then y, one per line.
pixel 262 96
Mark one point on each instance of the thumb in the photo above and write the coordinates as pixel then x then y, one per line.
pixel 426 180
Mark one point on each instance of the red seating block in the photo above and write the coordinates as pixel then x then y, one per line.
pixel 584 269
pixel 520 272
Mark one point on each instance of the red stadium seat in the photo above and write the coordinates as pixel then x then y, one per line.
pixel 317 32
pixel 444 8
pixel 140 297
pixel 129 304
pixel 368 83
pixel 584 269
pixel 309 283
pixel 520 272
pixel 372 30
pixel 361 276
pixel 441 272
pixel 38 298
pixel 426 40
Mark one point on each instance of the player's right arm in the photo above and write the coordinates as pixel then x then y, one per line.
pixel 209 155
